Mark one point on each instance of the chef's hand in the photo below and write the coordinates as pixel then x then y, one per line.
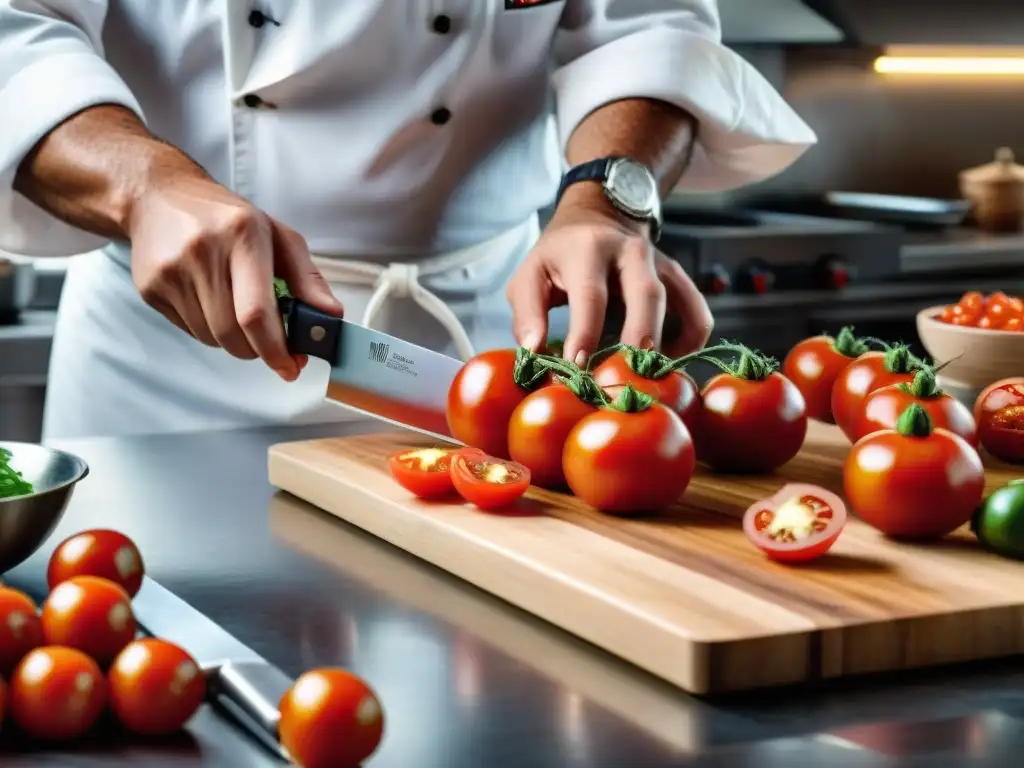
pixel 205 259
pixel 589 253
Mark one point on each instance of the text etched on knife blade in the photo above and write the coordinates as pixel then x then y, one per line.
pixel 381 353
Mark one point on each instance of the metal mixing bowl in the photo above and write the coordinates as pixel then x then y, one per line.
pixel 26 521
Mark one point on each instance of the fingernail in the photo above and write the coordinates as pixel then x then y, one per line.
pixel 531 341
pixel 646 342
pixel 581 358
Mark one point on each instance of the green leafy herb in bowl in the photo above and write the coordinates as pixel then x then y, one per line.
pixel 11 482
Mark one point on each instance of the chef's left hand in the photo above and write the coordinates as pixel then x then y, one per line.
pixel 589 252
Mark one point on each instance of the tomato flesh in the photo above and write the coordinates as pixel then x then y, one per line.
pixel 57 694
pixel 999 411
pixel 20 628
pixel 104 553
pixel 796 525
pixel 488 482
pixel 539 428
pixel 89 614
pixel 424 472
pixel 155 687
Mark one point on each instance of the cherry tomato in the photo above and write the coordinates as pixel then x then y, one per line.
pixel 624 460
pixel 914 482
pixel 538 430
pixel 798 524
pixel 999 412
pixel 863 376
pixel 107 554
pixel 813 366
pixel 57 694
pixel 330 719
pixel 155 687
pixel 424 472
pixel 484 394
pixel 1014 323
pixel 675 390
pixel 488 482
pixel 750 426
pixel 972 301
pixel 883 407
pixel 90 614
pixel 947 314
pixel 20 628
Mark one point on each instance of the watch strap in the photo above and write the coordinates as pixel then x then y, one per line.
pixel 592 170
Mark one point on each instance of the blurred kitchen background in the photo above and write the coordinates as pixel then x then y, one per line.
pixel 904 96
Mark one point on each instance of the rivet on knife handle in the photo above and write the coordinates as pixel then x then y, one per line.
pixel 308 331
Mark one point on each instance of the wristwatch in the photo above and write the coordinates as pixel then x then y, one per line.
pixel 629 185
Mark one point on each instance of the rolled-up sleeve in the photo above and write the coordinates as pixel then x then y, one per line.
pixel 671 50
pixel 51 67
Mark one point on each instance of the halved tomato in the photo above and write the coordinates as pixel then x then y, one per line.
pixel 488 482
pixel 424 472
pixel 798 524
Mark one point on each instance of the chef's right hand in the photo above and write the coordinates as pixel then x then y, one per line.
pixel 205 259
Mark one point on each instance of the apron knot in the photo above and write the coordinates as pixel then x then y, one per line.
pixel 401 280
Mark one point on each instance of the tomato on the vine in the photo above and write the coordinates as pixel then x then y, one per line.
pixel 90 614
pixel 486 481
pixel 883 407
pixel 424 472
pixel 914 482
pixel 999 412
pixel 652 373
pixel 20 628
pixel 155 687
pixel 330 718
pixel 870 371
pixel 753 419
pixel 814 364
pixel 798 524
pixel 57 694
pixel 107 554
pixel 485 392
pixel 632 456
pixel 539 427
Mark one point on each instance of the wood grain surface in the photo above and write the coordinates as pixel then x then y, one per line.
pixel 684 595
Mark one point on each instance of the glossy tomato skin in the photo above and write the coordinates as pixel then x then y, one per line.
pixel 474 479
pixel 827 510
pixel 913 487
pixel 882 409
pixel 89 614
pixel 424 472
pixel 629 463
pixel 155 687
pixel 813 366
pixel 999 412
pixel 57 694
pixel 750 426
pixel 855 382
pixel 539 428
pixel 330 718
pixel 20 628
pixel 104 553
pixel 677 390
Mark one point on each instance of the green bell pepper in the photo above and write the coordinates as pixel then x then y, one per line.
pixel 999 521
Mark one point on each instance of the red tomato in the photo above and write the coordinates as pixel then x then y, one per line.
pixel 750 426
pixel 972 301
pixel 423 472
pixel 487 482
pixel 797 524
pixel 883 407
pixel 629 461
pixel 20 629
pixel 330 719
pixel 999 412
pixel 636 367
pixel 947 314
pixel 1014 324
pixel 863 376
pixel 486 391
pixel 913 482
pixel 90 614
pixel 538 430
pixel 813 366
pixel 155 687
pixel 57 694
pixel 107 554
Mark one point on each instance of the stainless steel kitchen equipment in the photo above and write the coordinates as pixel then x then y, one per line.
pixel 17 286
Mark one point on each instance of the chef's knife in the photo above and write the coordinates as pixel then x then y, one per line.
pixel 241 682
pixel 372 372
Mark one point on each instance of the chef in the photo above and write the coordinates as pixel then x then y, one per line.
pixel 386 157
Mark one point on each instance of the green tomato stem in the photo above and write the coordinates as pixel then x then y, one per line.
pixel 923 386
pixel 630 400
pixel 914 422
pixel 847 344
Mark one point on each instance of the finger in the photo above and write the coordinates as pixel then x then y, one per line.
pixel 170 313
pixel 295 266
pixel 190 309
pixel 585 281
pixel 213 290
pixel 169 291
pixel 687 303
pixel 529 295
pixel 644 297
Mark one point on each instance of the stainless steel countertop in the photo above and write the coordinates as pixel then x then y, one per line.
pixel 466 680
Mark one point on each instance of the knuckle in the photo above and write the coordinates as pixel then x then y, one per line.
pixel 244 221
pixel 651 291
pixel 252 318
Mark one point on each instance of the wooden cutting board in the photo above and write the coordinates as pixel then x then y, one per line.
pixel 684 595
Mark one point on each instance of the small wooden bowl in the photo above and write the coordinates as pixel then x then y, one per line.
pixel 976 357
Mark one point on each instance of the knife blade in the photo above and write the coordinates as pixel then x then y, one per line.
pixel 374 373
pixel 240 682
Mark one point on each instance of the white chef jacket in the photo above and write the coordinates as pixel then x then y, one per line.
pixel 382 130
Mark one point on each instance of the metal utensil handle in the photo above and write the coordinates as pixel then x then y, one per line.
pixel 249 691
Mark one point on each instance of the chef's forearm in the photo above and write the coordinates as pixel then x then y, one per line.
pixel 91 169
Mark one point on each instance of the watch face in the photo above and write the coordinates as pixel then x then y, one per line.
pixel 633 185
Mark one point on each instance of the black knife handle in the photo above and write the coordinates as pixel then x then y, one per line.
pixel 309 331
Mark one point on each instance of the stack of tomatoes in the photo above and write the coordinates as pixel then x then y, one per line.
pixel 997 312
